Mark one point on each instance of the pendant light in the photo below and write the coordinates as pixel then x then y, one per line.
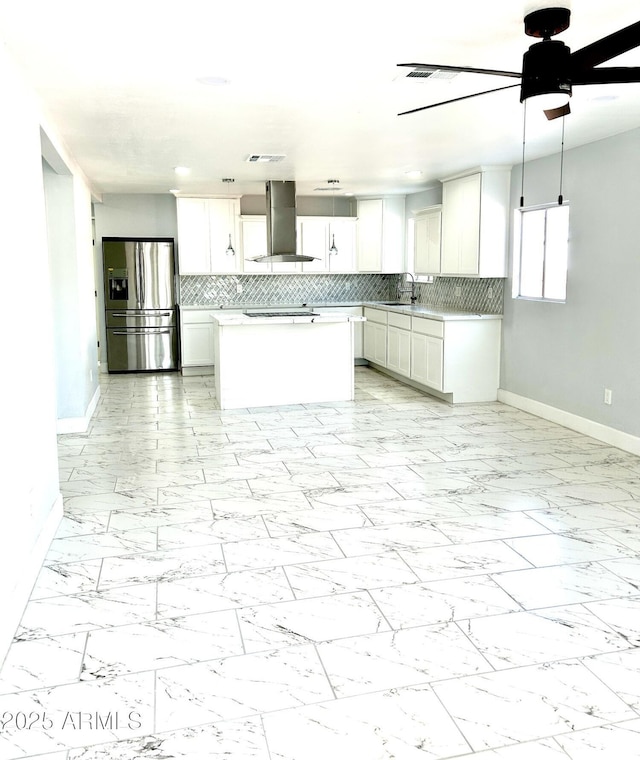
pixel 333 249
pixel 230 250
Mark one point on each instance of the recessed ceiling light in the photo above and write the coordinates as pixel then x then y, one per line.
pixel 175 190
pixel 413 174
pixel 182 170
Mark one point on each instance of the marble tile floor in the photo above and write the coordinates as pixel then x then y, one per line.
pixel 388 578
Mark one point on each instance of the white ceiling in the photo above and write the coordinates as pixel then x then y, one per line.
pixel 317 82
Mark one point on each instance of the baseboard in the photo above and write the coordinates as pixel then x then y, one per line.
pixel 204 370
pixel 604 433
pixel 13 607
pixel 79 424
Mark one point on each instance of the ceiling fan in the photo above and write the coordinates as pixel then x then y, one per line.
pixel 549 68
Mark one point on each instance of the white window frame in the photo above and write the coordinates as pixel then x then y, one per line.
pixel 518 248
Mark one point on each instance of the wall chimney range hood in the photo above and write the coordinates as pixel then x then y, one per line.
pixel 281 224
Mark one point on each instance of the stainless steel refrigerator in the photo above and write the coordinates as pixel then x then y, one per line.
pixel 140 305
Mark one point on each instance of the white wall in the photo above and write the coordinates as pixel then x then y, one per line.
pixel 564 355
pixel 72 281
pixel 31 504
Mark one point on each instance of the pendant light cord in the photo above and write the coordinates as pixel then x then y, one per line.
pixel 560 198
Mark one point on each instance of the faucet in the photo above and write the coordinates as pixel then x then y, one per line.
pixel 411 289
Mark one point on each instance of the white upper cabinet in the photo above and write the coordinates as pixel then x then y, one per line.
pixel 312 241
pixel 224 235
pixel 208 235
pixel 343 235
pixel 381 238
pixel 426 240
pixel 193 236
pixel 475 224
pixel 315 237
pixel 254 243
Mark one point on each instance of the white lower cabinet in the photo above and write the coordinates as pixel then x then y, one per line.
pixel 427 352
pixel 456 357
pixel 399 343
pixel 197 337
pixel 375 336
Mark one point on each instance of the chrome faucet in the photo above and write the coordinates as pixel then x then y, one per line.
pixel 411 289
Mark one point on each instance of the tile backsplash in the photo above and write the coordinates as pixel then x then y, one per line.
pixel 481 295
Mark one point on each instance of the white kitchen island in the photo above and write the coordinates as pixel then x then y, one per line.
pixel 280 360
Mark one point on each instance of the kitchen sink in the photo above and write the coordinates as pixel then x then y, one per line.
pixel 394 303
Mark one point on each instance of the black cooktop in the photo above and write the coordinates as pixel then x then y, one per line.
pixel 281 313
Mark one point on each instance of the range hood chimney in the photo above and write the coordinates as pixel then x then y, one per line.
pixel 281 224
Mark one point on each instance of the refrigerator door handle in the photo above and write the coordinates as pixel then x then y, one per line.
pixel 150 331
pixel 143 316
pixel 139 274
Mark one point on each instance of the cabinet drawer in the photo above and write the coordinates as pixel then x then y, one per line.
pixel 195 317
pixel 427 326
pixel 403 321
pixel 375 315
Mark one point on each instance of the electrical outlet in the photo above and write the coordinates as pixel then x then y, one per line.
pixel 607 395
pixel 489 293
pixel 347 286
pixel 238 288
pixel 458 291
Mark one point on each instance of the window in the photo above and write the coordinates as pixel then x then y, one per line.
pixel 541 253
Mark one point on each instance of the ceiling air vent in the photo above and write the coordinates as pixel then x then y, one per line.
pixel 432 74
pixel 264 158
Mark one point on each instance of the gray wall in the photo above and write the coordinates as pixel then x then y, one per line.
pixel 418 201
pixel 564 355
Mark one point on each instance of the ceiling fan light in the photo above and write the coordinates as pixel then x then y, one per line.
pixel 547 101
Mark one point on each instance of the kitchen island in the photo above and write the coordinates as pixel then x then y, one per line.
pixel 292 358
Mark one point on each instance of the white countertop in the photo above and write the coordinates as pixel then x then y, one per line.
pixel 431 312
pixel 418 310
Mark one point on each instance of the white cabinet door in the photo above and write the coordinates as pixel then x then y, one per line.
pixel 197 343
pixel 254 244
pixel 399 350
pixel 427 235
pixel 381 238
pixel 375 343
pixel 461 225
pixel 193 236
pixel 475 221
pixel 224 235
pixel 312 241
pixel 342 234
pixel 427 354
pixel 370 235
pixel 393 234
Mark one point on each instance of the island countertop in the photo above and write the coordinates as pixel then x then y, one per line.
pixel 228 318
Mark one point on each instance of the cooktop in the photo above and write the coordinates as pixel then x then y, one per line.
pixel 281 313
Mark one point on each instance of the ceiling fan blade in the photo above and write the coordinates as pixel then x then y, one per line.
pixel 608 75
pixel 460 69
pixel 555 113
pixel 607 48
pixel 455 100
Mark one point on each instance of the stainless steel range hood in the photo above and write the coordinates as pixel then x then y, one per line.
pixel 281 224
